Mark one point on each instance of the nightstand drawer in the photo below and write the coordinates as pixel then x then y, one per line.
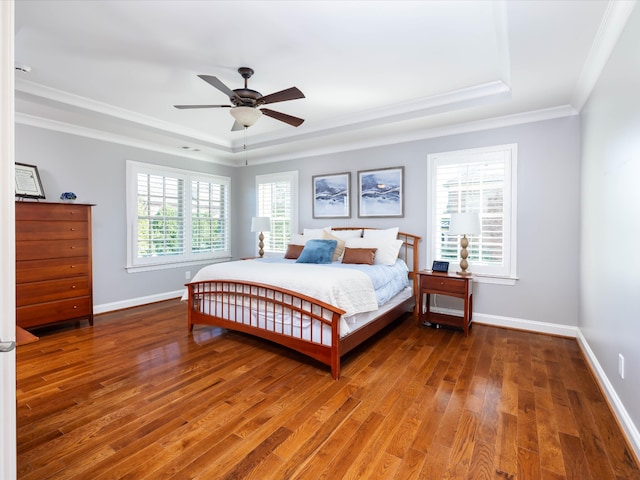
pixel 443 284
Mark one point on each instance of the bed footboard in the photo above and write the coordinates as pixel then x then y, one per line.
pixel 291 319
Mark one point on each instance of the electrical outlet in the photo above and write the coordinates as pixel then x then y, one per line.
pixel 187 275
pixel 621 365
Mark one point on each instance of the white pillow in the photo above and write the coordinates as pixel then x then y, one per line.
pixel 387 250
pixel 388 234
pixel 315 232
pixel 347 234
pixel 297 239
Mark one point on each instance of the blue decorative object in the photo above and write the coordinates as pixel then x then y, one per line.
pixel 317 251
pixel 68 196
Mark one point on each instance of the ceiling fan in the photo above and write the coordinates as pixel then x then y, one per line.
pixel 246 102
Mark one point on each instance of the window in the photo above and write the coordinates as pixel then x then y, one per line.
pixel 277 197
pixel 479 180
pixel 175 217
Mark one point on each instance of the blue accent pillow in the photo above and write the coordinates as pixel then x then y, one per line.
pixel 317 251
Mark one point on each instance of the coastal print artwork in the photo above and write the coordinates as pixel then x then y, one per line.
pixel 381 192
pixel 331 196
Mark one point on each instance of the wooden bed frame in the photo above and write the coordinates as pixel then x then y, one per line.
pixel 213 302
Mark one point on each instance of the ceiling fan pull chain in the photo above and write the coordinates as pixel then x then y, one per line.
pixel 244 147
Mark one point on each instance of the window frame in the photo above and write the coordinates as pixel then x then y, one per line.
pixel 292 178
pixel 138 264
pixel 507 274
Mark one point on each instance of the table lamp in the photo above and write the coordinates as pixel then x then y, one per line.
pixel 464 224
pixel 261 224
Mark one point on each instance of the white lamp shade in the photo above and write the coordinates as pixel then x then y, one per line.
pixel 246 116
pixel 464 224
pixel 261 224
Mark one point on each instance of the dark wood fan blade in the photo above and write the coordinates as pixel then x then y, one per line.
pixel 213 81
pixel 237 126
pixel 289 94
pixel 283 117
pixel 201 106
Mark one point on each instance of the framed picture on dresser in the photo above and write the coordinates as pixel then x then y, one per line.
pixel 28 183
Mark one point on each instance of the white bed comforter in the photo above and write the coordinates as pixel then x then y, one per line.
pixel 350 290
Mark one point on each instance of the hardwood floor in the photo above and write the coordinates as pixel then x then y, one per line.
pixel 137 397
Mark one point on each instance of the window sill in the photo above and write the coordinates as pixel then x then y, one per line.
pixel 494 279
pixel 165 266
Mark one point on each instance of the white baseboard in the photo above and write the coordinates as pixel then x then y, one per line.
pixel 528 325
pixel 516 323
pixel 630 430
pixel 134 302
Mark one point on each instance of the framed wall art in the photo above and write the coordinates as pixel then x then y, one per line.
pixel 28 184
pixel 331 195
pixel 381 192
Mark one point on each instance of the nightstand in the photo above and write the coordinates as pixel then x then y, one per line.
pixel 452 285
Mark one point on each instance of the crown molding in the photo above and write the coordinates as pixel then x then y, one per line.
pixel 456 129
pixel 87 104
pixel 55 125
pixel 487 93
pixel 611 27
pixel 478 125
pixel 476 95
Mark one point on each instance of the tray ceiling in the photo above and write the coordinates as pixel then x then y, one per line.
pixel 372 72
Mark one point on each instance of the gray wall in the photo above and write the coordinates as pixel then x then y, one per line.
pixel 96 172
pixel 548 210
pixel 547 201
pixel 610 216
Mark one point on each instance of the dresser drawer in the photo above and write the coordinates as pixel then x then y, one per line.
pixel 41 292
pixel 39 249
pixel 51 269
pixel 28 230
pixel 45 313
pixel 443 284
pixel 51 211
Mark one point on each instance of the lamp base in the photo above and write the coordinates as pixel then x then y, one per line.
pixel 261 245
pixel 464 243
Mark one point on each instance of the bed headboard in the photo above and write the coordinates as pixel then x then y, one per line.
pixel 409 252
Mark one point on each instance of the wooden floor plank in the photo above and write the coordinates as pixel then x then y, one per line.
pixel 137 396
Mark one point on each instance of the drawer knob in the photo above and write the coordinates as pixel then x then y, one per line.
pixel 73 266
pixel 72 248
pixel 73 229
pixel 441 283
pixel 75 306
pixel 73 287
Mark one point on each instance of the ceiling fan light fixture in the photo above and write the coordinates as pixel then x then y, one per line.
pixel 246 116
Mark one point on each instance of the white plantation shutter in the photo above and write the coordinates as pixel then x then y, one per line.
pixel 209 216
pixel 277 198
pixel 160 216
pixel 175 216
pixel 480 181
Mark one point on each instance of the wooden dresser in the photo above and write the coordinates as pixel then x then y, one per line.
pixel 53 263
